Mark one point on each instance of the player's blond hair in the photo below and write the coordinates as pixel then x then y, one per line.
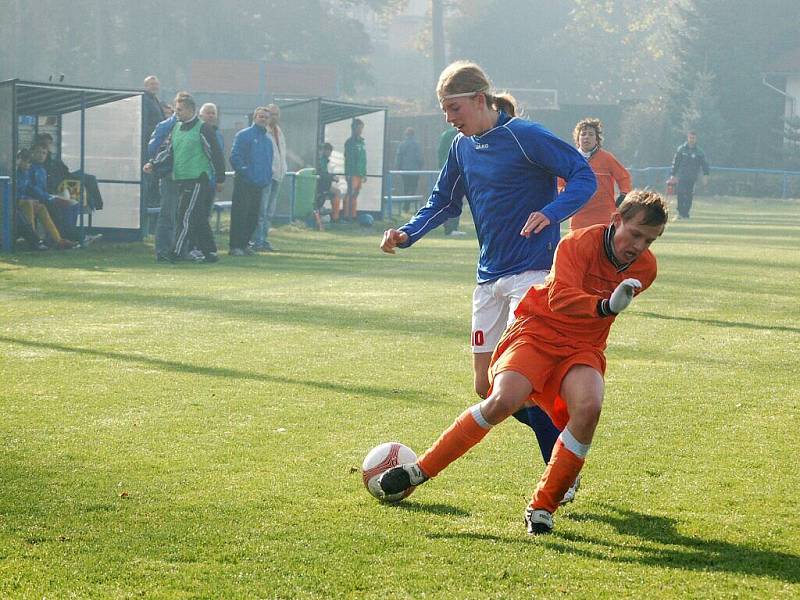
pixel 464 77
pixel 655 207
pixel 589 123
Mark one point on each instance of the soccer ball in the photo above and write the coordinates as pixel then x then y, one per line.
pixel 382 458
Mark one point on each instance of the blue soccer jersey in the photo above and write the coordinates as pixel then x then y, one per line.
pixel 507 173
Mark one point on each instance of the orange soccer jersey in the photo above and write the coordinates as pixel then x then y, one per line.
pixel 558 324
pixel 597 211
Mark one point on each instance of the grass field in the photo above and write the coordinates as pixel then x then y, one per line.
pixel 195 431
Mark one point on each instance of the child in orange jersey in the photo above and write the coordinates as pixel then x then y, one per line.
pixel 553 353
pixel 588 136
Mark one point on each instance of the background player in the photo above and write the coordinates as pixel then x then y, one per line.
pixel 588 136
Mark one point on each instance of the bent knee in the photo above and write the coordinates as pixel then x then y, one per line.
pixel 588 409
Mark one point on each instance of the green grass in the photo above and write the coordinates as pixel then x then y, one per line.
pixel 196 431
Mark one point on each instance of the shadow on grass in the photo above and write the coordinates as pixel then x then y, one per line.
pixel 718 323
pixel 180 367
pixel 676 550
pixel 445 510
pixel 334 315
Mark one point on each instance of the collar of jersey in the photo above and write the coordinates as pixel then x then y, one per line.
pixel 608 244
pixel 502 121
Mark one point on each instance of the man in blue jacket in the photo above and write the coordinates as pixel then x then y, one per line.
pixel 251 159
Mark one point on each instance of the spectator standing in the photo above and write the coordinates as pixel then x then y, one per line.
pixel 269 197
pixel 409 158
pixel 168 191
pixel 355 168
pixel 196 160
pixel 588 136
pixel 686 166
pixel 152 115
pixel 445 141
pixel 251 158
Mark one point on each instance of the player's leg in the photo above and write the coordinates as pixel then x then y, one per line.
pixel 582 390
pixel 510 391
pixel 513 290
pixel 489 318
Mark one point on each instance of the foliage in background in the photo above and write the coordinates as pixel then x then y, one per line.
pixel 117 43
pixel 735 41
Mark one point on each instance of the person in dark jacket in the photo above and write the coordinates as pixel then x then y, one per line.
pixel 152 115
pixel 686 166
pixel 251 159
pixel 196 161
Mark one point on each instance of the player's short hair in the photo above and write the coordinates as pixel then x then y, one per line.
pixel 186 99
pixel 208 105
pixel 38 145
pixel 327 146
pixel 636 201
pixel 150 78
pixel 43 137
pixel 465 77
pixel 589 123
pixel 264 109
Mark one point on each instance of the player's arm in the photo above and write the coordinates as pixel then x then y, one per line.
pixel 445 202
pixel 562 160
pixel 622 177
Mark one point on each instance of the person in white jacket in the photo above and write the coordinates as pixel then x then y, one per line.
pixel 269 199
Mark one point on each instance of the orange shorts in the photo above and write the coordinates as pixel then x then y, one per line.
pixel 544 363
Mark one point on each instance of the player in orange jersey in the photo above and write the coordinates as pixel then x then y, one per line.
pixel 553 353
pixel 588 136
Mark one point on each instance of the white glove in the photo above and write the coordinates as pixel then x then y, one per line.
pixel 622 296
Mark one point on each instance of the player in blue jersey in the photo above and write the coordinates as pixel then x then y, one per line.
pixel 507 168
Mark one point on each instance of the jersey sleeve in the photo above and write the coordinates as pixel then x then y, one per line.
pixel 620 175
pixel 562 160
pixel 445 202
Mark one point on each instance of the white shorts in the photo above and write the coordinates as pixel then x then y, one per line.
pixel 493 306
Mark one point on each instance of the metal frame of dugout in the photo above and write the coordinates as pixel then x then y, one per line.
pixel 310 122
pixel 95 130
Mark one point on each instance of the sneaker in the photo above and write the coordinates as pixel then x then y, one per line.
pixel 236 252
pixel 40 247
pixel 90 239
pixel 457 233
pixel 250 251
pixel 569 495
pixel 398 479
pixel 196 256
pixel 538 521
pixel 211 257
pixel 267 247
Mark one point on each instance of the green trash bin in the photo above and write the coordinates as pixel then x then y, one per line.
pixel 305 191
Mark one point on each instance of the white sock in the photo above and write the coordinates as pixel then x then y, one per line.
pixel 573 445
pixel 475 411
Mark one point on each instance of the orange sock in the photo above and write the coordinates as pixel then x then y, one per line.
pixel 559 475
pixel 462 435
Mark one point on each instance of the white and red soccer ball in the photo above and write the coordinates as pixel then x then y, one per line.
pixel 382 458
